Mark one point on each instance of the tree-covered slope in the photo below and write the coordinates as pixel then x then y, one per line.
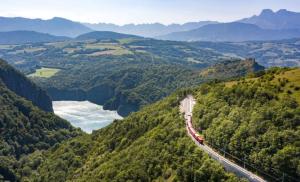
pixel 150 145
pixel 255 119
pixel 18 83
pixel 24 128
pixel 104 35
pixel 127 85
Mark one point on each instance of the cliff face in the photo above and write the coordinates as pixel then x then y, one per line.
pixel 103 95
pixel 18 83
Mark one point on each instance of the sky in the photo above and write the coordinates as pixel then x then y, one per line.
pixel 142 11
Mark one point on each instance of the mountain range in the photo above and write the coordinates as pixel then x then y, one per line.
pixel 234 32
pixel 148 30
pixel 268 25
pixel 23 37
pixel 55 26
pixel 282 19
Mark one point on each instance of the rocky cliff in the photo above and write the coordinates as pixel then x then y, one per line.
pixel 18 83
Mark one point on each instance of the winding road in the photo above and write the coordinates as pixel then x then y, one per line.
pixel 186 108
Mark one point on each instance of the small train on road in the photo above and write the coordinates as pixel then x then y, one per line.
pixel 192 130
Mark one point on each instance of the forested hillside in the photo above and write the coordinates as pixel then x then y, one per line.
pixel 127 85
pixel 255 119
pixel 150 145
pixel 25 129
pixel 18 83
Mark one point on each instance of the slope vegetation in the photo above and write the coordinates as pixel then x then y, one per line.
pixel 18 83
pixel 150 145
pixel 104 35
pixel 255 120
pixel 25 129
pixel 126 86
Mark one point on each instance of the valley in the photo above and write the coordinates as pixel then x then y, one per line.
pixel 181 100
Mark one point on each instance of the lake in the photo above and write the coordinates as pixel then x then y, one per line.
pixel 84 114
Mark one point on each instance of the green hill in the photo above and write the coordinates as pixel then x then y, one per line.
pixel 22 86
pixel 104 35
pixel 253 118
pixel 25 129
pixel 150 145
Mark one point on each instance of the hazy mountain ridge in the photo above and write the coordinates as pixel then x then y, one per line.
pixel 23 37
pixel 104 35
pixel 267 26
pixel 235 32
pixel 282 19
pixel 55 26
pixel 148 30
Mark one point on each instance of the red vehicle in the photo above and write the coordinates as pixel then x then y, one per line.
pixel 193 132
pixel 199 138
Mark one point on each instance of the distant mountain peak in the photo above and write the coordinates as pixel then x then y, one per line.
pixel 56 26
pixel 266 12
pixel 283 11
pixel 59 18
pixel 268 19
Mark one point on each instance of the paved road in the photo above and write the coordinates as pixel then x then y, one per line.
pixel 186 107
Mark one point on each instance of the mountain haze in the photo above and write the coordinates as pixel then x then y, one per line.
pixel 148 30
pixel 232 32
pixel 55 26
pixel 282 19
pixel 24 37
pixel 104 35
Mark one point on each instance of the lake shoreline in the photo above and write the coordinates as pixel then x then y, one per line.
pixel 84 114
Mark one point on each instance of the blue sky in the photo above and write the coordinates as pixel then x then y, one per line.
pixel 142 11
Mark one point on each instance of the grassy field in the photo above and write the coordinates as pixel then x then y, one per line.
pixel 292 85
pixel 289 80
pixel 44 72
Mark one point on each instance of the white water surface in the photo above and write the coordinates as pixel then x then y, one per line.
pixel 84 114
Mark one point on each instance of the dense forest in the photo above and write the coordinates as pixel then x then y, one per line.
pixel 150 145
pixel 256 120
pixel 26 129
pixel 126 85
